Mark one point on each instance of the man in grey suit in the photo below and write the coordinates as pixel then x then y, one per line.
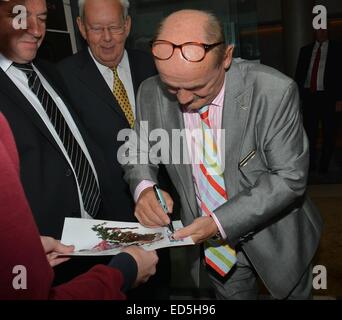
pixel 267 218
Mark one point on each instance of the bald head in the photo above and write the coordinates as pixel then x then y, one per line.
pixel 178 23
pixel 192 26
pixel 195 83
pixel 192 22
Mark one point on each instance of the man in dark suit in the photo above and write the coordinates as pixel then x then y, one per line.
pixel 92 77
pixel 39 254
pixel 317 75
pixel 62 171
pixel 89 79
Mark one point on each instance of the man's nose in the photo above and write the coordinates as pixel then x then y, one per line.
pixel 35 27
pixel 185 97
pixel 107 35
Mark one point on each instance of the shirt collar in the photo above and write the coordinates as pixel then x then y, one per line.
pixel 324 43
pixel 5 63
pixel 103 69
pixel 218 101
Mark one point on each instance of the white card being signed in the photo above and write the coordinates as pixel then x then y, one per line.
pixel 98 237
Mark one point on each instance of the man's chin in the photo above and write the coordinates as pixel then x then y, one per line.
pixel 106 60
pixel 28 58
pixel 28 55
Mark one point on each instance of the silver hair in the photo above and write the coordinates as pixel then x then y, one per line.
pixel 124 3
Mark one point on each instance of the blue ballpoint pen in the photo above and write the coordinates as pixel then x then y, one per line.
pixel 162 202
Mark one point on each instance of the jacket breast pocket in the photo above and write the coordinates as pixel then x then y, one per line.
pixel 251 167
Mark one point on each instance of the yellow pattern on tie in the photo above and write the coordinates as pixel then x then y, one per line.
pixel 120 95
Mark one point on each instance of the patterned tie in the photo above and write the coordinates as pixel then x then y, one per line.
pixel 85 176
pixel 120 95
pixel 218 254
pixel 315 68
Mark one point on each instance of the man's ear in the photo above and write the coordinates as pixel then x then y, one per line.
pixel 128 25
pixel 81 27
pixel 228 56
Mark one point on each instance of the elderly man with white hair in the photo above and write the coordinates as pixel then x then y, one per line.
pixel 102 81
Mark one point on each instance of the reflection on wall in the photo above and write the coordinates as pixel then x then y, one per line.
pixel 55 47
pixel 270 29
pixel 246 22
pixel 56 20
pixel 271 41
pixel 57 43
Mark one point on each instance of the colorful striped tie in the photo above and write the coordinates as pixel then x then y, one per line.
pixel 218 254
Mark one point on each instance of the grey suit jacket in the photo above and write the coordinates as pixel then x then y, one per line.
pixel 268 214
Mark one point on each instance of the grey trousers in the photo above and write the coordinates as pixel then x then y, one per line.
pixel 242 284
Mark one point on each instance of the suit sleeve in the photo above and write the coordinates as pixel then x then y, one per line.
pixel 99 283
pixel 283 183
pixel 138 163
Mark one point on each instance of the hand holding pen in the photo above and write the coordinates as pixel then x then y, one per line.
pixel 160 197
pixel 148 209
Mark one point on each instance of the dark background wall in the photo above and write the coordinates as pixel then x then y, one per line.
pixel 270 28
pixel 254 26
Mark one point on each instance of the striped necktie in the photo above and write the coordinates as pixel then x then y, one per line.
pixel 315 68
pixel 120 95
pixel 218 254
pixel 85 176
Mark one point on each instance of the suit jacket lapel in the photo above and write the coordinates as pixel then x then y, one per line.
pixel 308 60
pixel 173 119
pixel 330 58
pixel 52 78
pixel 133 73
pixel 235 114
pixel 9 89
pixel 89 70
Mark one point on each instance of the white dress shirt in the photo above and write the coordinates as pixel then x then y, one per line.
pixel 19 78
pixel 124 72
pixel 321 68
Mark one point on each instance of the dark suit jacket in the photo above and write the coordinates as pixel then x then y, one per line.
pixel 103 119
pixel 46 175
pixel 101 115
pixel 333 70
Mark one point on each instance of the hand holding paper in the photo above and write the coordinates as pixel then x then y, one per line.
pixel 99 237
